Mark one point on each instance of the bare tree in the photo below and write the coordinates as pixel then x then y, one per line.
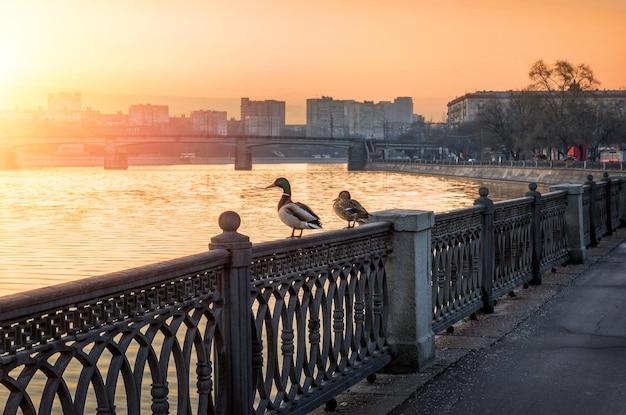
pixel 610 127
pixel 564 110
pixel 511 122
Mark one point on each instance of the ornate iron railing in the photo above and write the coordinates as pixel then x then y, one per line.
pixel 121 343
pixel 614 204
pixel 279 327
pixel 601 217
pixel 156 339
pixel 484 252
pixel 456 265
pixel 318 316
pixel 587 213
pixel 512 225
pixel 553 235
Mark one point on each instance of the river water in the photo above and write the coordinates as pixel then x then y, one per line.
pixel 61 224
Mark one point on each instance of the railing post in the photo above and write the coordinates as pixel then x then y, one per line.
pixel 609 203
pixel 574 221
pixel 408 268
pixel 621 203
pixel 536 233
pixel 593 234
pixel 235 285
pixel 488 251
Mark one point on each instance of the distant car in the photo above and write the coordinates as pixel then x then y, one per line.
pixel 472 160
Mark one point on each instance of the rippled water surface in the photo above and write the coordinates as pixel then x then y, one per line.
pixel 60 224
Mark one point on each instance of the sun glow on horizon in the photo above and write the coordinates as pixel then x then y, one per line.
pixel 5 65
pixel 366 51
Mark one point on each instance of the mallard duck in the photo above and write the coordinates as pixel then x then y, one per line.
pixel 296 215
pixel 349 209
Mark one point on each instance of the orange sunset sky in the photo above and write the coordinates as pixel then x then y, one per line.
pixel 205 54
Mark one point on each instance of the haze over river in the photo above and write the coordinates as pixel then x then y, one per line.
pixel 64 223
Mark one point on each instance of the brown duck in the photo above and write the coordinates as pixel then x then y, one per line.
pixel 349 209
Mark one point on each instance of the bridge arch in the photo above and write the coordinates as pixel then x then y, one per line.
pixel 116 148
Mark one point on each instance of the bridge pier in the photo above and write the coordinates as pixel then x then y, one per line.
pixel 357 156
pixel 115 158
pixel 243 155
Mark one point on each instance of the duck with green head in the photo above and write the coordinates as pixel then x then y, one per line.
pixel 296 215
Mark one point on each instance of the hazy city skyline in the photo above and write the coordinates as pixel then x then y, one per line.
pixel 207 55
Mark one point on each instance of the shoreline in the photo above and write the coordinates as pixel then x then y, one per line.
pixel 539 175
pixel 31 161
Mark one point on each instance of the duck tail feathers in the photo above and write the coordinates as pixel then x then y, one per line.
pixel 364 219
pixel 314 224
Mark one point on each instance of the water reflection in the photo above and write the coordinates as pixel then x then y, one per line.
pixel 58 224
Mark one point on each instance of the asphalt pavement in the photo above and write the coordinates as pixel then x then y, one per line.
pixel 555 348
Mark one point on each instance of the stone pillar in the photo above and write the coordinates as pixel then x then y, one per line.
pixel 115 158
pixel 408 268
pixel 357 156
pixel 575 227
pixel 237 330
pixel 593 217
pixel 489 250
pixel 536 232
pixel 243 154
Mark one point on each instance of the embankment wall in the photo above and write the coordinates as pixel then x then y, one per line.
pixel 519 174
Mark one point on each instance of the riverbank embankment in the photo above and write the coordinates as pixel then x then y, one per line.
pixel 529 174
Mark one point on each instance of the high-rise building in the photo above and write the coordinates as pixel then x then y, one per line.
pixel 400 110
pixel 148 115
pixel 262 118
pixel 210 122
pixel 366 120
pixel 327 117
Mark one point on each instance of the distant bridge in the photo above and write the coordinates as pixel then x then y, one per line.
pixel 116 147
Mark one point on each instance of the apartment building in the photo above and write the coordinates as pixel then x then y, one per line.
pixel 327 117
pixel 262 118
pixel 148 115
pixel 210 122
pixel 469 107
pixel 399 111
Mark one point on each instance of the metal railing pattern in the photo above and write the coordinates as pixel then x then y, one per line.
pixel 530 164
pixel 127 340
pixel 615 188
pixel 587 212
pixel 472 268
pixel 553 235
pixel 276 327
pixel 318 316
pixel 601 209
pixel 512 225
pixel 456 265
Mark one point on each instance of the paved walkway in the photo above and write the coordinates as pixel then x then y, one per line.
pixel 557 348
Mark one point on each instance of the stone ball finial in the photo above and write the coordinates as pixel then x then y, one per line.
pixel 229 221
pixel 532 186
pixel 483 192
